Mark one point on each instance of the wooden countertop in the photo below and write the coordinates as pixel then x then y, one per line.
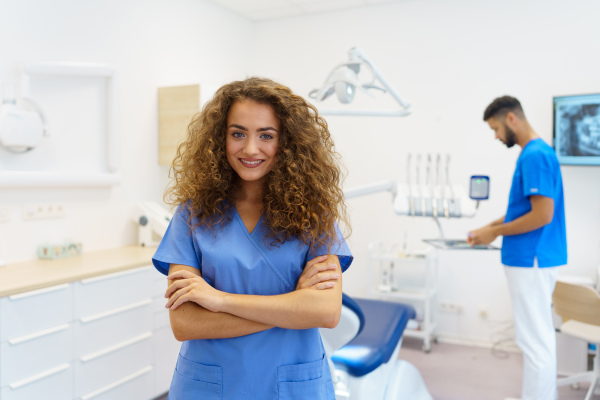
pixel 37 274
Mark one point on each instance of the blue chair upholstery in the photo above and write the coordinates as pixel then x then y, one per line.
pixel 384 323
pixel 347 301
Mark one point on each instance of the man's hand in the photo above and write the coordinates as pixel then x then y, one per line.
pixel 485 235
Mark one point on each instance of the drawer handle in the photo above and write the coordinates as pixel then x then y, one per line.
pixel 37 377
pixel 39 291
pixel 114 275
pixel 116 347
pixel 117 383
pixel 39 334
pixel 105 314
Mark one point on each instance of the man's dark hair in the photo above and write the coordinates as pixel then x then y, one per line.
pixel 503 105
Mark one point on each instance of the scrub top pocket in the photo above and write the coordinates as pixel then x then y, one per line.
pixel 195 381
pixel 303 381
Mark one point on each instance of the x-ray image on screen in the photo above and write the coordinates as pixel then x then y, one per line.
pixel 577 129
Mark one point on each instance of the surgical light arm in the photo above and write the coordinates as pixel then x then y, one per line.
pixel 344 82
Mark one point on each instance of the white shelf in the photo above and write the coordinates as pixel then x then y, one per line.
pixel 406 294
pixel 399 270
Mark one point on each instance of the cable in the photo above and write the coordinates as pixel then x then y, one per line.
pixel 502 338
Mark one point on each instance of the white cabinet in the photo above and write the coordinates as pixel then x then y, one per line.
pixel 101 338
pixel 36 338
pixel 166 348
pixel 411 278
pixel 53 384
pixel 26 313
pixel 113 330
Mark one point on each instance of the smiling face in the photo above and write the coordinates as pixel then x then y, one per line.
pixel 252 138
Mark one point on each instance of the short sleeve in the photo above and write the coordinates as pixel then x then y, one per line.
pixel 537 176
pixel 177 246
pixel 339 248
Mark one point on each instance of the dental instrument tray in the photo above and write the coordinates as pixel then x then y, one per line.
pixel 458 244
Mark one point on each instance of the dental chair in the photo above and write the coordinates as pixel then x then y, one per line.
pixel 363 352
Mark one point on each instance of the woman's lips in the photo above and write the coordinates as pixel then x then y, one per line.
pixel 249 163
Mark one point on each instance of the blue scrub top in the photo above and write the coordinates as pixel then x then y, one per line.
pixel 273 364
pixel 537 173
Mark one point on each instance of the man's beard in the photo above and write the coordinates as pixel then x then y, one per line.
pixel 511 137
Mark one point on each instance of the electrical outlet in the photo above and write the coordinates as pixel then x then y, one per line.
pixel 43 211
pixel 451 307
pixel 4 213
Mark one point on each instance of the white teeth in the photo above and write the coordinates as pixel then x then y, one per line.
pixel 251 162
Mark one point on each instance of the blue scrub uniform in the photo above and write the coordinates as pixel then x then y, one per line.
pixel 537 173
pixel 273 364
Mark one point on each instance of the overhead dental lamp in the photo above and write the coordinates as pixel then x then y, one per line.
pixel 344 81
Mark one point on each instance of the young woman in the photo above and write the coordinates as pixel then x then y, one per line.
pixel 253 253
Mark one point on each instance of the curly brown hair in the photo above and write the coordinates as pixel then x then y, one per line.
pixel 303 198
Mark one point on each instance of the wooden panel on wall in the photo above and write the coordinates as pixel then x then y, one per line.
pixel 176 107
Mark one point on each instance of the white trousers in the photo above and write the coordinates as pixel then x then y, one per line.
pixel 531 295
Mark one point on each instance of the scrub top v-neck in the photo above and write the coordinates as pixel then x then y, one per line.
pixel 274 364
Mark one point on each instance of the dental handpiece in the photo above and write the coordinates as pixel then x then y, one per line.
pixel 431 182
pixel 419 185
pixel 411 198
pixel 442 187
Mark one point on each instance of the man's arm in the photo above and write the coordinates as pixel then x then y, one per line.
pixel 498 221
pixel 300 309
pixel 542 212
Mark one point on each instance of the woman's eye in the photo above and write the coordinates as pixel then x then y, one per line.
pixel 237 134
pixel 266 136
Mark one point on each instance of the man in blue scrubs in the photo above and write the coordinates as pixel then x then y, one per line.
pixel 534 243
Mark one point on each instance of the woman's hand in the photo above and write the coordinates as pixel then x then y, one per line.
pixel 318 274
pixel 187 286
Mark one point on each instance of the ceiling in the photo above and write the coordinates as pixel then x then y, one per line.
pixel 260 10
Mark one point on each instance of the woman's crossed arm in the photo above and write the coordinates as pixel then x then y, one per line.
pixel 199 311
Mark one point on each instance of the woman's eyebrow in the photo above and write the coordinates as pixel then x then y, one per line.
pixel 268 128
pixel 238 127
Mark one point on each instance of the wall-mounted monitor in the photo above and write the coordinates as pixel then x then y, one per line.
pixel 577 129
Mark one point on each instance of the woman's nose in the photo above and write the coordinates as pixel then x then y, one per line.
pixel 251 147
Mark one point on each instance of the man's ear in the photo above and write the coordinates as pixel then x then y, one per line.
pixel 510 119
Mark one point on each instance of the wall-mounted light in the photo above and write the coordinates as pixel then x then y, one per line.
pixel 22 123
pixel 344 82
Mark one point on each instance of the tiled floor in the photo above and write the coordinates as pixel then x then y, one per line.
pixel 453 372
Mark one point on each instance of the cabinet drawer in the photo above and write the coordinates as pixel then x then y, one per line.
pixel 136 386
pixel 96 370
pixel 109 328
pixel 159 304
pixel 107 292
pixel 53 384
pixel 29 312
pixel 33 354
pixel 160 285
pixel 161 320
pixel 166 349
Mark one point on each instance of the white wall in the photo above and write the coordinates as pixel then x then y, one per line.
pixel 450 59
pixel 149 44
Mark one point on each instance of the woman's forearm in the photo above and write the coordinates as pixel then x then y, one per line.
pixel 191 321
pixel 301 309
pixel 210 313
